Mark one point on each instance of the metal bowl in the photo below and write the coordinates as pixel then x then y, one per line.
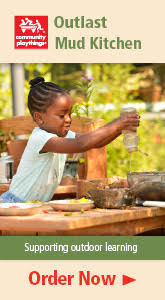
pixel 135 178
pixel 149 191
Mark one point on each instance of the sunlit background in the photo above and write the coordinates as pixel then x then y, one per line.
pixel 111 87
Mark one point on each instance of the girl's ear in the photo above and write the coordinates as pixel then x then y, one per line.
pixel 37 116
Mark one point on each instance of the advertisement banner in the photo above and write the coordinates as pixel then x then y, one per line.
pixel 115 251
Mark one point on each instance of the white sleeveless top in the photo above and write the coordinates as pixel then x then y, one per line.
pixel 38 175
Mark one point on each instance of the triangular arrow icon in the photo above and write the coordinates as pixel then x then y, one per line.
pixel 127 279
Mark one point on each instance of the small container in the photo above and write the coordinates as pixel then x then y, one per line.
pixel 6 168
pixel 130 138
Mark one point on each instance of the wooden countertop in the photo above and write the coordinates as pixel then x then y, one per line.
pixel 93 222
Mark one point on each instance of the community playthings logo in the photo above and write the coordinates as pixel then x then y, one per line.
pixel 31 32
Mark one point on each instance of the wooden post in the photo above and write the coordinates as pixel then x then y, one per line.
pixel 17 79
pixel 96 159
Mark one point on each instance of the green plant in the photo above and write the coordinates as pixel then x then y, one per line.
pixel 4 138
pixel 117 85
pixel 85 91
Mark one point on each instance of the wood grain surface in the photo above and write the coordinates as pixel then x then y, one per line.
pixel 94 222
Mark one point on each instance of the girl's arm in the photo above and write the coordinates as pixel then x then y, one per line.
pixel 91 139
pixel 104 142
pixel 108 139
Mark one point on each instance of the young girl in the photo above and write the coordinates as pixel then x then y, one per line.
pixel 42 163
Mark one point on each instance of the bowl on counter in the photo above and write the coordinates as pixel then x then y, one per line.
pixel 20 209
pixel 135 178
pixel 71 204
pixel 111 198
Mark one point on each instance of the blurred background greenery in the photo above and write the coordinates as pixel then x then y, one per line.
pixel 111 86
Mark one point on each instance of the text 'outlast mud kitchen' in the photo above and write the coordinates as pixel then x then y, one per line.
pixel 98 42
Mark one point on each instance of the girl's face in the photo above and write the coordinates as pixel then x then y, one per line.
pixel 57 118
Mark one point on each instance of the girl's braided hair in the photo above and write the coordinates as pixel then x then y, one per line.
pixel 42 94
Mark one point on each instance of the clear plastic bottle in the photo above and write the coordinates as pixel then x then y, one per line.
pixel 130 138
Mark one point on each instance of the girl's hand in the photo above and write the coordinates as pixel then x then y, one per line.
pixel 128 121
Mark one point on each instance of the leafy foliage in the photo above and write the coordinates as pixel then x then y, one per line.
pixel 5 91
pixel 4 138
pixel 85 90
pixel 121 86
pixel 151 142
